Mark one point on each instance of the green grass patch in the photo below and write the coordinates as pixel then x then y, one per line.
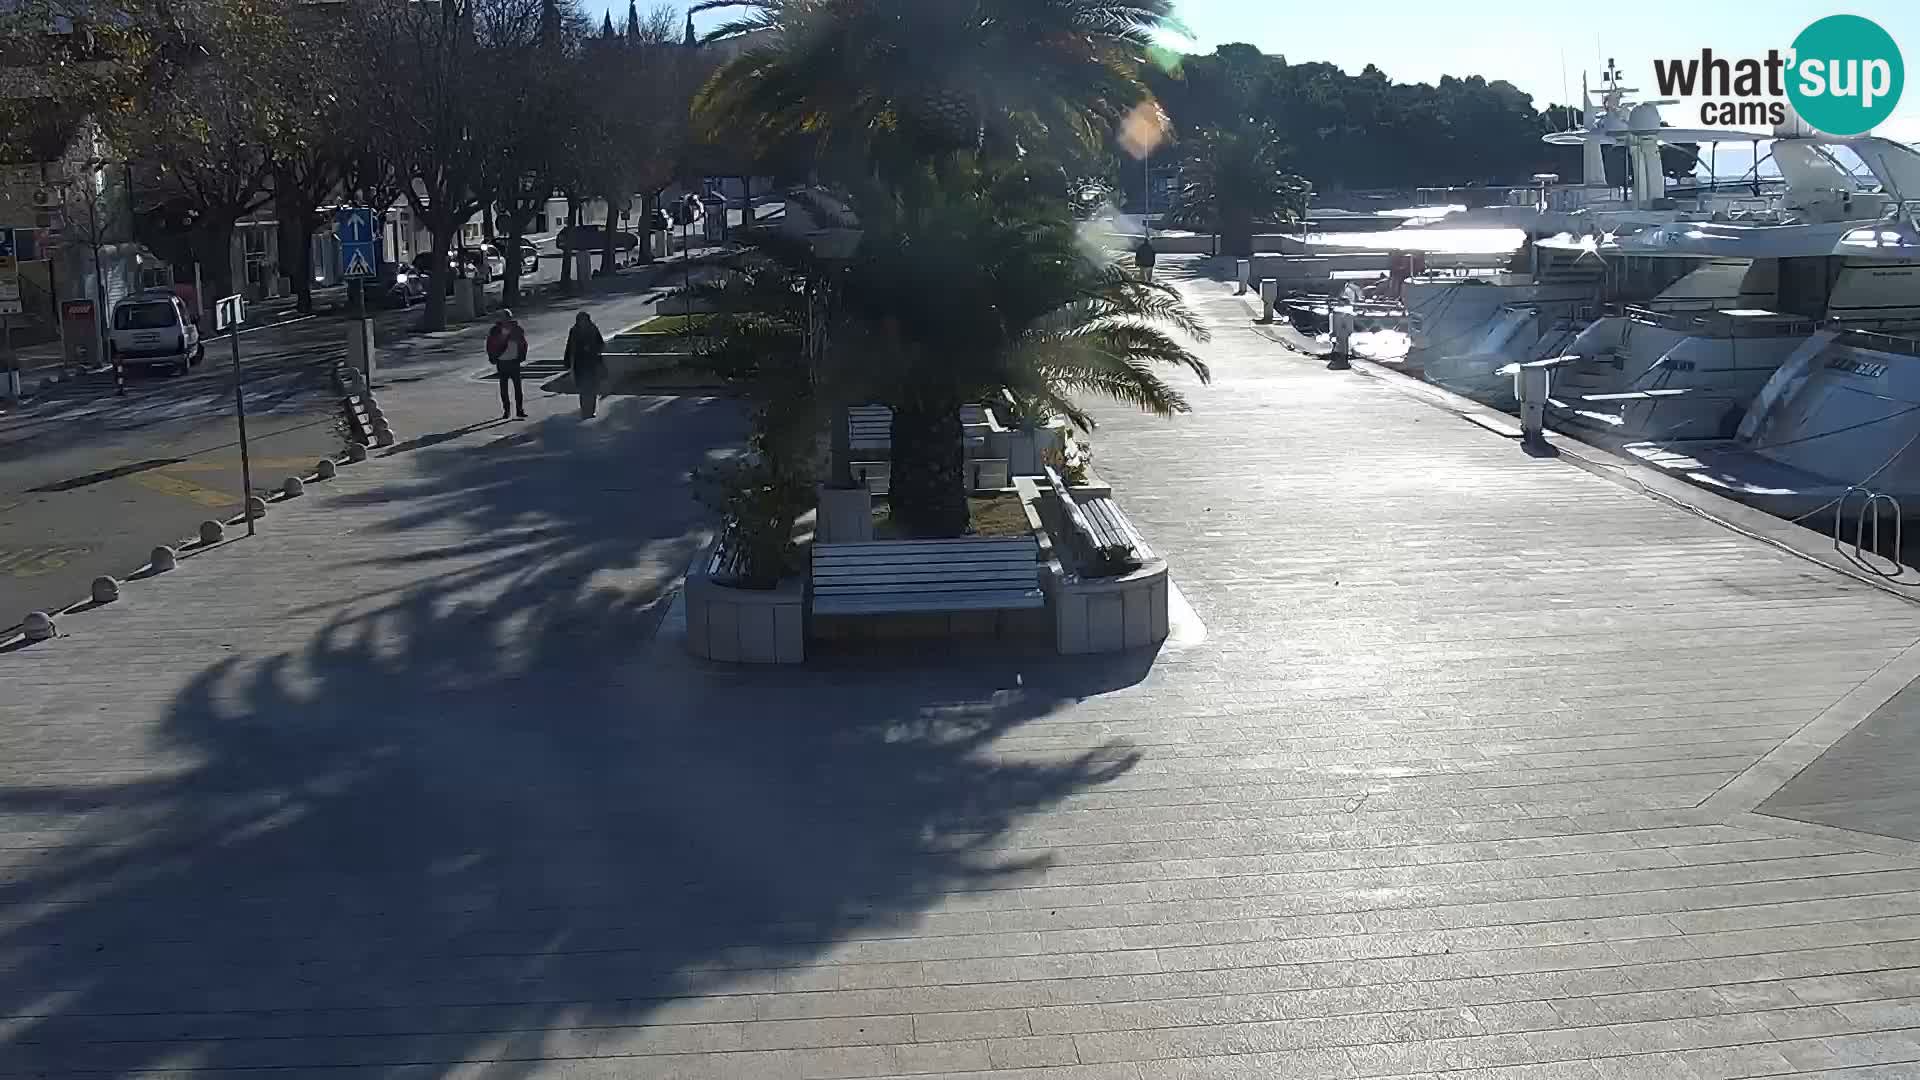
pixel 669 324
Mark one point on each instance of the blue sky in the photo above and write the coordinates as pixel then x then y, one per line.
pixel 1540 48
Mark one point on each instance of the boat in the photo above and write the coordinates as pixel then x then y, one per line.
pixel 1821 261
pixel 1734 295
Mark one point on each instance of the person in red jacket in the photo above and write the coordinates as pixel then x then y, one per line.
pixel 507 349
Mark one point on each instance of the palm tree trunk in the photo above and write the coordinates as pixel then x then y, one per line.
pixel 1236 235
pixel 929 496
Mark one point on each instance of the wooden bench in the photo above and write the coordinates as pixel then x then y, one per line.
pixel 899 577
pixel 870 429
pixel 1104 543
pixel 726 565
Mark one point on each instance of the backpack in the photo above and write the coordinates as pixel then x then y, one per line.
pixel 497 340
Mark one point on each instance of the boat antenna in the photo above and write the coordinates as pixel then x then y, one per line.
pixel 1566 95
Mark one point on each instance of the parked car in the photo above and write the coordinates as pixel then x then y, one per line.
pixel 594 238
pixel 473 261
pixel 495 263
pixel 529 255
pixel 154 329
pixel 398 286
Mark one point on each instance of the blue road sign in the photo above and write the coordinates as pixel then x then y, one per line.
pixel 359 242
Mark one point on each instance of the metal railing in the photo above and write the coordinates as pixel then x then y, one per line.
pixel 1718 323
pixel 1867 339
pixel 1872 502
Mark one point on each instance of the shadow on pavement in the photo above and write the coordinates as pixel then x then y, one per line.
pixel 475 807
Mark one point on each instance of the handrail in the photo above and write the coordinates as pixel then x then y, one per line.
pixel 1871 503
pixel 1867 339
pixel 1718 323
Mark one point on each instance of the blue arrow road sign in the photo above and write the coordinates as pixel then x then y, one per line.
pixel 359 242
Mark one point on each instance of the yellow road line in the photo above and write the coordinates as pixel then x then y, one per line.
pixel 185 489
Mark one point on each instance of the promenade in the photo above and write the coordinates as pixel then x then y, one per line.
pixel 1486 768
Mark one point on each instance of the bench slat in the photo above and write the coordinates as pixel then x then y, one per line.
pixel 923 548
pixel 913 571
pixel 923 582
pixel 889 605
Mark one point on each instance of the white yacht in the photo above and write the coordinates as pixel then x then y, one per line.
pixel 1463 328
pixel 1666 375
pixel 1732 294
pixel 1839 421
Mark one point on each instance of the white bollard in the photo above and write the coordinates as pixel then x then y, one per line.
pixel 256 507
pixel 326 469
pixel 293 487
pixel 1242 273
pixel 38 626
pixel 212 532
pixel 356 451
pixel 383 436
pixel 362 357
pixel 162 559
pixel 1532 384
pixel 1269 296
pixel 105 590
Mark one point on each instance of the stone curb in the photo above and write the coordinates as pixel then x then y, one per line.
pixel 166 557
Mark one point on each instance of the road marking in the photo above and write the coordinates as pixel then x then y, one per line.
pixel 185 489
pixel 33 561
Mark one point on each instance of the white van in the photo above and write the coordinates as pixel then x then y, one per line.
pixel 154 329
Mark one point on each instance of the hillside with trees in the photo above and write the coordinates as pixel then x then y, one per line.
pixel 1360 132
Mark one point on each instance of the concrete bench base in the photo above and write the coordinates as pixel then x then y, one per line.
pixel 744 626
pixel 1111 614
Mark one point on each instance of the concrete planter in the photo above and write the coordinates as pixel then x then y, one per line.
pixel 626 365
pixel 745 626
pixel 1110 614
pixel 845 515
pixel 1027 449
pixel 1096 615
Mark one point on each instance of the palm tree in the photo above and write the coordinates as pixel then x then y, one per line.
pixel 1232 180
pixel 966 292
pixel 883 86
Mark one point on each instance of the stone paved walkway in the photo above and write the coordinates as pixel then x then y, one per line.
pixel 1460 784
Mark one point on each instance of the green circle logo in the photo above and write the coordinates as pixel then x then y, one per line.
pixel 1846 74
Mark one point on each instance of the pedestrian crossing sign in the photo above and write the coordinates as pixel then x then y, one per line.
pixel 358 233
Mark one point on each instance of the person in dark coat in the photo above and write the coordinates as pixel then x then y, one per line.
pixel 1144 257
pixel 586 358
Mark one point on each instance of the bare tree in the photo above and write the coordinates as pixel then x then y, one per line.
pixel 532 100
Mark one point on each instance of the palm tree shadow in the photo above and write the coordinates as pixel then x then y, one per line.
pixel 478 818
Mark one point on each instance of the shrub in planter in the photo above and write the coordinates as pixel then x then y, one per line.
pixel 758 500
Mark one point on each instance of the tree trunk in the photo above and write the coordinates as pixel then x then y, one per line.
pixel 303 281
pixel 510 292
pixel 566 254
pixel 746 202
pixel 607 232
pixel 213 246
pixel 644 227
pixel 928 491
pixel 434 316
pixel 1236 236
